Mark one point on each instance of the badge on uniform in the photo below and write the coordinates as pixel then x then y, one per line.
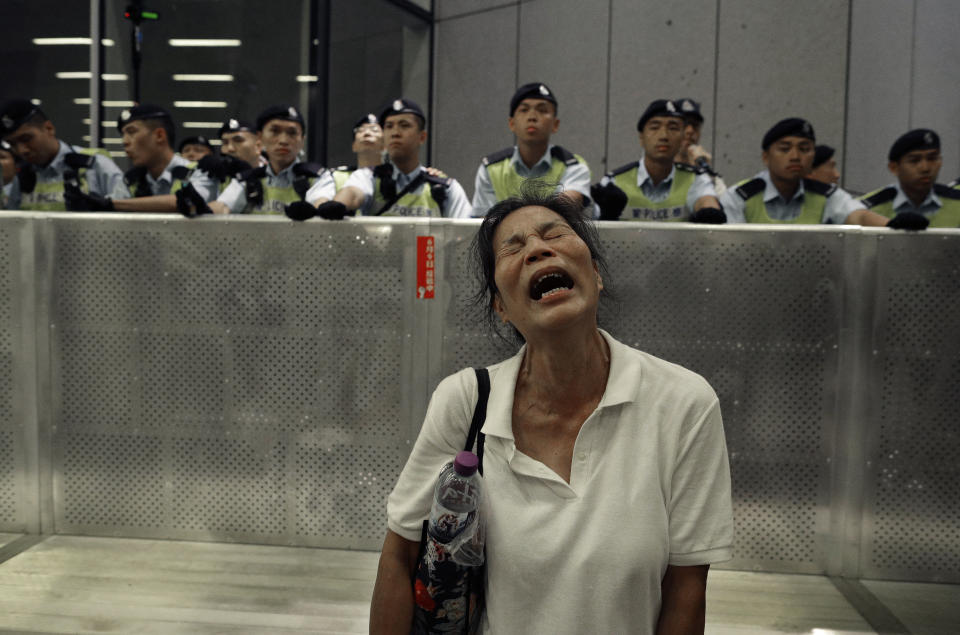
pixel 397 104
pixel 7 122
pixel 544 90
pixel 125 115
pixel 928 139
pixel 293 112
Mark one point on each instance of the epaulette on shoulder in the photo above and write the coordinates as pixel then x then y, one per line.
pixel 686 167
pixel 498 156
pixel 751 188
pixel 307 168
pixel 253 173
pixel 345 168
pixel 134 175
pixel 954 183
pixel 879 197
pixel 181 172
pixel 946 191
pixel 562 154
pixel 440 180
pixel 819 187
pixel 624 168
pixel 77 160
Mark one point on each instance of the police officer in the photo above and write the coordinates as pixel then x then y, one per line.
pixel 400 186
pixel 533 119
pixel 781 194
pixel 655 188
pixel 368 147
pixel 916 199
pixel 195 148
pixel 238 139
pixel 8 172
pixel 824 166
pixel 691 152
pixel 271 188
pixel 50 164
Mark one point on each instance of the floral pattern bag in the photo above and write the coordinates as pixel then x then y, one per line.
pixel 449 597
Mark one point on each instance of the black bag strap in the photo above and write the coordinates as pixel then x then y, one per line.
pixel 479 415
pixel 412 185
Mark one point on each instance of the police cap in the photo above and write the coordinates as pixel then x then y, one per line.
pixel 659 108
pixel 15 112
pixel 790 127
pixel 822 154
pixel 919 139
pixel 143 111
pixel 689 109
pixel 198 140
pixel 535 90
pixel 235 125
pixel 284 112
pixel 368 118
pixel 401 106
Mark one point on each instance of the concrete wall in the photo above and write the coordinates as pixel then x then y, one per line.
pixel 862 71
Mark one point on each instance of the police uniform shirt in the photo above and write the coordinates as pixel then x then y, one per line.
pixel 5 197
pixel 702 186
pixel 201 181
pixel 838 205
pixel 324 188
pixel 103 177
pixel 901 203
pixel 235 195
pixel 575 177
pixel 456 206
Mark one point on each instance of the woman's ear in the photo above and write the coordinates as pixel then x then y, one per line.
pixel 498 307
pixel 596 271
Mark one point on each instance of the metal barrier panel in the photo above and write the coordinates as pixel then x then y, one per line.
pixel 911 521
pixel 251 379
pixel 18 486
pixel 758 314
pixel 230 379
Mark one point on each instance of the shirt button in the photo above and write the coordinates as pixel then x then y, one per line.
pixel 582 456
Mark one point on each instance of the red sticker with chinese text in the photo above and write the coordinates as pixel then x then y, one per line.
pixel 425 267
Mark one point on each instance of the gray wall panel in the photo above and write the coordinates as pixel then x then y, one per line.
pixel 573 62
pixel 881 41
pixel 776 60
pixel 473 90
pixel 453 8
pixel 641 35
pixel 936 77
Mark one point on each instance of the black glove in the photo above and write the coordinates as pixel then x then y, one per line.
pixel 190 203
pixel 214 166
pixel 610 198
pixel 332 210
pixel 300 210
pixel 709 215
pixel 909 221
pixel 79 201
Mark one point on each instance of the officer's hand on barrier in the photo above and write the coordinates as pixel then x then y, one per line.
pixel 300 210
pixel 332 210
pixel 190 203
pixel 610 198
pixel 79 201
pixel 709 215
pixel 908 220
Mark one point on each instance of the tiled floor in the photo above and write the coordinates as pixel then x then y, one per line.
pixel 113 585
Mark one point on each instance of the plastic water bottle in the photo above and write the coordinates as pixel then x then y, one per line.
pixel 455 519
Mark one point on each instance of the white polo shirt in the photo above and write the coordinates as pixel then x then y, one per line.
pixel 649 486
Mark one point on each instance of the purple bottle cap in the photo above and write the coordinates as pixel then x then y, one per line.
pixel 466 463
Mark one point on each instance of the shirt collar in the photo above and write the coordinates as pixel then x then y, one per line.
pixel 643 175
pixel 771 192
pixel 546 159
pixel 286 170
pixel 59 159
pixel 623 383
pixel 901 200
pixel 167 175
pixel 402 179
